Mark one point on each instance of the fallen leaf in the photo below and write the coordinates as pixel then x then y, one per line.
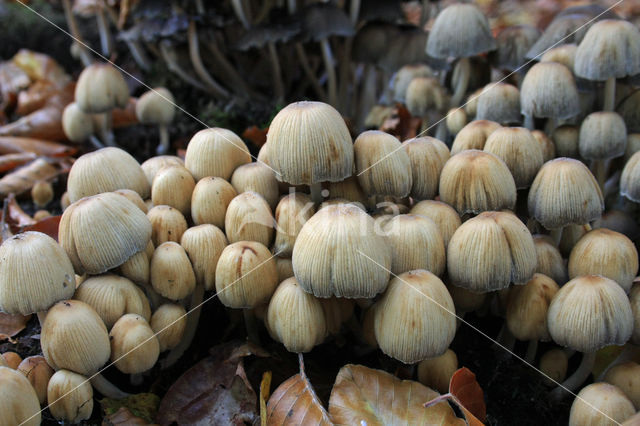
pixel 256 135
pixel 12 80
pixel 10 325
pixel 9 162
pixel 35 97
pixel 295 401
pixel 467 394
pixel 45 123
pixel 363 395
pixel 24 178
pixel 13 144
pixel 401 124
pixel 17 218
pixel 265 389
pixel 48 225
pixel 123 417
pixel 4 337
pixel 142 405
pixel 214 391
pixel 124 117
pixel 39 66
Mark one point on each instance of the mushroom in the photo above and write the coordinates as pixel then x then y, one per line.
pixel 169 323
pixel 38 372
pixel 333 252
pixel 100 89
pixel 157 106
pixel 549 259
pixel 295 318
pixel 415 317
pixel 610 49
pixel 70 396
pixel 215 152
pixel 292 212
pixel 512 43
pixel 427 157
pixel 171 272
pixel 630 177
pixel 600 403
pixel 78 125
pixel 436 372
pixel 499 102
pixel 285 268
pixel 626 377
pixel 167 224
pixel 565 139
pixel 173 186
pixel 586 314
pixel 134 346
pixel 210 199
pixel 249 218
pixel 603 136
pixel 442 214
pixel 18 400
pixel 473 135
pixel 256 177
pixel 460 31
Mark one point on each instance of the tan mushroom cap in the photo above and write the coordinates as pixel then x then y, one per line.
pixel 76 124
pixel 549 90
pixel 427 156
pixel 134 346
pixel 626 377
pixel 589 313
pixel 70 396
pixel 169 322
pixel 35 272
pixel 292 212
pixel 598 400
pixel 630 179
pixel 500 103
pixel 336 253
pixel 527 308
pixel 101 88
pixel 156 107
pixel 603 135
pixel 204 245
pixel 18 400
pixel 215 152
pixel 309 143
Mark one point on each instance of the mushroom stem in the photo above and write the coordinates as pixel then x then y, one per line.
pixel 550 125
pixel 578 377
pixel 463 81
pixel 193 318
pixel 609 94
pixel 41 317
pixel 354 11
pixel 85 57
pixel 251 326
pixel 95 142
pixel 532 348
pixel 304 61
pixel 528 122
pixel 345 73
pixel 237 82
pixel 331 72
pixel 163 148
pixel 556 235
pixel 106 40
pixel 105 129
pixel 316 192
pixel 139 55
pixel 239 11
pixel 506 339
pixel 292 6
pixel 169 56
pixel 106 388
pixel 198 66
pixel 367 95
pixel 276 73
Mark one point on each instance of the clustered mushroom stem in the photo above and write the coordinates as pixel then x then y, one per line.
pixel 600 173
pixel 354 11
pixel 75 32
pixel 251 326
pixel 609 94
pixel 138 54
pixel 463 82
pixel 238 9
pixel 190 329
pixel 345 73
pixel 106 40
pixel 198 66
pixel 528 122
pixel 532 349
pixel 556 235
pixel 331 72
pixel 165 143
pixel 276 73
pixel 578 377
pixel 316 192
pixel 105 131
pixel 304 61
pixel 106 388
pixel 168 55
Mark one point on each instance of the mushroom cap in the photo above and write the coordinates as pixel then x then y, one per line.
pixel 460 30
pixel 173 186
pixel 157 106
pixel 491 251
pixel 473 135
pixel 404 76
pixel 549 90
pixel 74 337
pixel 427 156
pixel 210 199
pixel 35 272
pixel 475 181
pixel 309 143
pixel 566 139
pixel 630 179
pixel 102 231
pixel 435 373
pixel 589 313
pixel 512 43
pixel 383 166
pixel 171 272
pixel 607 253
pixel 134 346
pixel 442 215
pixel 249 218
pixel 610 48
pixel 167 224
pixel 598 400
pixel 292 212
pixel 105 170
pixel 626 377
pixel 169 322
pixel 70 396
pixel 603 136
pixel 424 94
pixel 629 109
pixel 257 177
pixel 76 124
pixel 215 152
pixel 565 192
pixel 527 308
pixel 500 103
pixel 101 88
pixel 261 35
pixel 154 164
pixel 335 252
pixel 320 21
pixel 549 259
pixel 415 317
pixel 204 245
pixel 564 54
pixel 18 400
pixel 296 318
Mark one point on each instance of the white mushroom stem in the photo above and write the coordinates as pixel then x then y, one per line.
pixel 41 317
pixel 316 192
pixel 193 318
pixel 609 94
pixel 238 9
pixel 528 122
pixel 331 72
pixel 577 378
pixel 599 172
pixel 251 325
pixel 106 134
pixel 106 40
pixel 462 82
pixel 106 388
pixel 532 349
pixel 292 6
pixel 276 73
pixel 229 70
pixel 85 57
pixel 354 11
pixel 556 235
pixel 169 56
pixel 164 145
pixel 198 66
pixel 367 97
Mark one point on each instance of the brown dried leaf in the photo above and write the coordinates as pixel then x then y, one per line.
pixel 45 123
pixel 214 391
pixel 265 389
pixel 12 80
pixel 10 325
pixel 375 397
pixel 123 417
pixel 9 162
pixel 24 178
pixel 39 66
pixel 35 97
pixel 401 124
pixel 125 117
pixel 16 217
pixel 465 388
pixel 295 402
pixel 12 144
pixel 48 225
pixel 255 135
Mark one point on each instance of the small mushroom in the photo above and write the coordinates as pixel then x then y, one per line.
pixel 157 106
